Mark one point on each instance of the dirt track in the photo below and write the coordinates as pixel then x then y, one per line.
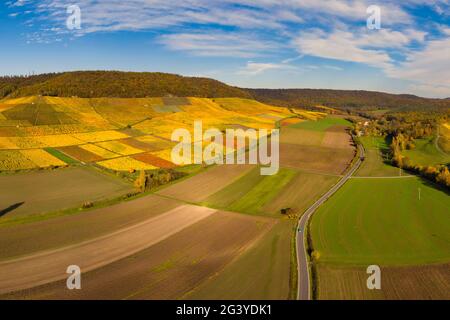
pixel 51 266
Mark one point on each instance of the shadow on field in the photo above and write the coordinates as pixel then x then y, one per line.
pixel 10 208
pixel 434 185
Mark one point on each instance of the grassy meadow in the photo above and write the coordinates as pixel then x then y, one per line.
pixel 400 221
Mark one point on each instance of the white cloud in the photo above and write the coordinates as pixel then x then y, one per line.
pixel 429 67
pixel 253 68
pixel 218 44
pixel 333 68
pixel 360 45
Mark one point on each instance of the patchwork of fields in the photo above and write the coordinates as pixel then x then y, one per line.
pixel 223 233
pixel 118 134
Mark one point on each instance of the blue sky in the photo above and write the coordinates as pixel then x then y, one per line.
pixel 248 43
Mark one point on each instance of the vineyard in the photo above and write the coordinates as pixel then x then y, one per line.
pixel 117 133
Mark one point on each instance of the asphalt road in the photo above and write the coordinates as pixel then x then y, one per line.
pixel 304 290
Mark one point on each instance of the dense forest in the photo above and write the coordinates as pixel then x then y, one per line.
pixel 347 99
pixel 90 84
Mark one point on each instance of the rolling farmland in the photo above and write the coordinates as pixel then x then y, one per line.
pixel 114 133
pixel 354 229
pixel 91 146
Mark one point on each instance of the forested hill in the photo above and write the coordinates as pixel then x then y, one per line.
pixel 91 84
pixel 347 99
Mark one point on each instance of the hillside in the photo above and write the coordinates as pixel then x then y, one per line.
pixel 115 84
pixel 91 84
pixel 347 99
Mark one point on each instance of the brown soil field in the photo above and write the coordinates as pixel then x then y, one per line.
pixel 205 184
pixel 45 191
pixel 80 154
pixel 154 160
pixel 301 137
pixel 168 269
pixel 315 159
pixel 21 239
pixel 405 283
pixel 49 266
pixel 145 146
pixel 337 137
pixel 261 273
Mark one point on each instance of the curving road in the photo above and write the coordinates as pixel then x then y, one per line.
pixel 304 290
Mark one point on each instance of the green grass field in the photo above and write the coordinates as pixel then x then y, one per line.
pixel 375 163
pixel 263 192
pixel 383 221
pixel 426 153
pixel 262 272
pixel 322 124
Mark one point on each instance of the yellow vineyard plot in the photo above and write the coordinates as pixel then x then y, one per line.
pixel 14 160
pixel 57 140
pixel 100 136
pixel 24 100
pixel 99 151
pixel 118 147
pixel 6 143
pixel 26 142
pixel 42 158
pixel 125 164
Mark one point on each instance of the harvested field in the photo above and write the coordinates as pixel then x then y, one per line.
pixel 22 239
pixel 154 161
pixel 301 137
pixel 337 137
pixel 205 184
pixel 80 154
pixel 190 256
pixel 316 159
pixel 36 269
pixel 46 191
pixel 240 280
pixel 404 283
